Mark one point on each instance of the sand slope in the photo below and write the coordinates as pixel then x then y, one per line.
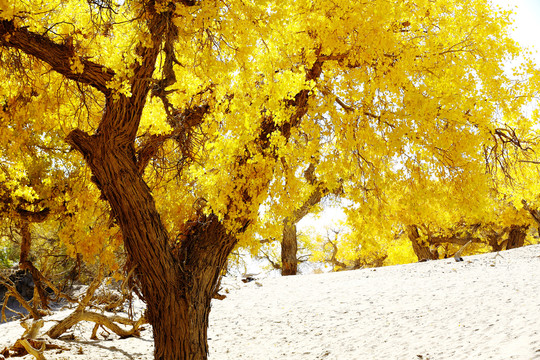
pixel 487 307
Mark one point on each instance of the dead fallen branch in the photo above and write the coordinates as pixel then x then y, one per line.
pixel 31 328
pixel 100 319
pixel 457 255
pixel 110 322
pixel 38 354
pixel 23 347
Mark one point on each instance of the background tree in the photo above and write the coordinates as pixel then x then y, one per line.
pixel 436 218
pixel 302 195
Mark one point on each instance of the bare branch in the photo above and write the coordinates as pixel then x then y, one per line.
pixel 36 353
pixel 12 291
pixel 530 162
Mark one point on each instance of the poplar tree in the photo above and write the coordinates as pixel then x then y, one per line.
pixel 225 97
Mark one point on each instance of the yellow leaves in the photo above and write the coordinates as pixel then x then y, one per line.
pixel 120 86
pixel 513 215
pixel 76 65
pixel 163 5
pixel 6 10
pixel 87 230
pixel 25 193
pixel 154 119
pixel 400 252
pixel 404 105
pixel 10 8
pixel 146 40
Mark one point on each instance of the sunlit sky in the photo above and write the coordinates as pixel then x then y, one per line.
pixel 526 28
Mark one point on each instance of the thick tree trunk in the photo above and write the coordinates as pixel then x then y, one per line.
pixel 26 240
pixel 180 320
pixel 289 247
pixel 494 240
pixel 289 243
pixel 422 251
pixel 516 236
pixel 203 254
pixel 177 284
pixel 145 239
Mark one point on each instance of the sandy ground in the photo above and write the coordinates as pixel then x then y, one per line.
pixel 487 307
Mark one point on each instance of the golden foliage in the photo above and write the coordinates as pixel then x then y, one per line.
pixel 395 102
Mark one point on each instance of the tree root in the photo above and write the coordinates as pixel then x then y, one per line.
pixel 28 343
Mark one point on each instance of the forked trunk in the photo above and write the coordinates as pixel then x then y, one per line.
pixel 177 288
pixel 289 243
pixel 177 284
pixel 289 247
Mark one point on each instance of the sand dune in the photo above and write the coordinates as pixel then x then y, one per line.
pixel 487 307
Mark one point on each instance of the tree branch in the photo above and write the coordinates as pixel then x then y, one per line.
pixel 183 123
pixel 59 56
pixel 34 216
pixel 300 106
pixel 81 141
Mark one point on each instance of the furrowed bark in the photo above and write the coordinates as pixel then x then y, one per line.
pixel 145 238
pixel 203 255
pixel 289 247
pixel 516 236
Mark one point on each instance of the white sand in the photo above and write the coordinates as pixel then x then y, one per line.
pixel 487 307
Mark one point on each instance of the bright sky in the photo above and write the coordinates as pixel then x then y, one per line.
pixel 527 22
